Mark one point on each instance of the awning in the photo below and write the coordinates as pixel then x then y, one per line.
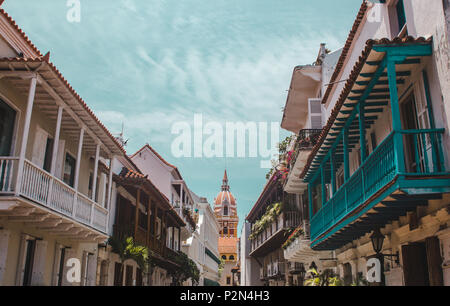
pixel 304 84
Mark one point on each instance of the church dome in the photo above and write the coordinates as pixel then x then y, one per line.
pixel 225 198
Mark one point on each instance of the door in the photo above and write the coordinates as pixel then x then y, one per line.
pixel 410 122
pixel 7 122
pixel 128 275
pixel 118 274
pixel 29 260
pixel 415 264
pixel 434 261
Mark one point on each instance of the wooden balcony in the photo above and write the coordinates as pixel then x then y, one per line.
pixel 273 236
pixel 41 188
pixel 380 171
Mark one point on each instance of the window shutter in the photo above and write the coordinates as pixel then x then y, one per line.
pixel 60 159
pixel 37 276
pixel 4 239
pixel 91 270
pixel 39 147
pixel 315 113
pixel 414 265
pixel 70 253
pixel 434 261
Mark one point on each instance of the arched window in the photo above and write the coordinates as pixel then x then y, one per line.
pixel 231 257
pixel 225 210
pixel 225 230
pixel 224 257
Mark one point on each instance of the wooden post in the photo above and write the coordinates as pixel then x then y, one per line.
pixel 136 219
pixel 149 213
pixel 94 182
pixel 110 180
pixel 362 131
pixel 56 140
pixel 79 156
pixel 77 172
pixel 396 121
pixel 346 156
pixel 26 131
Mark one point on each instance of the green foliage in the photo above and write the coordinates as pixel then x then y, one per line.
pixel 221 266
pixel 294 235
pixel 325 279
pixel 360 281
pixel 272 212
pixel 127 249
pixel 187 270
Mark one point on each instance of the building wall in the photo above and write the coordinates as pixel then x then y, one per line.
pixel 250 268
pixel 46 264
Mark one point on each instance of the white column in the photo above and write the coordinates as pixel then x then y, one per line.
pixel 77 167
pixel 181 198
pixel 56 141
pixel 77 172
pixel 111 166
pixel 55 152
pixel 94 183
pixel 26 130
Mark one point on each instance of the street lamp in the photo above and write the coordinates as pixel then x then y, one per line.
pixel 377 239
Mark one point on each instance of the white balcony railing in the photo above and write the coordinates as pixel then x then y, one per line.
pixel 45 189
pixel 7 166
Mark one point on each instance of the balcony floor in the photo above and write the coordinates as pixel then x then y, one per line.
pixel 20 210
pixel 403 194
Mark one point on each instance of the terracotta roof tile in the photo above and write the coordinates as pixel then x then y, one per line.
pixel 349 84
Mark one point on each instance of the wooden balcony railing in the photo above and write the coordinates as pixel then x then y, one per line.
pixel 41 187
pixel 285 220
pixel 379 169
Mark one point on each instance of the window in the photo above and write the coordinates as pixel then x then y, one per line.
pixel 225 210
pixel 7 119
pixel 317 198
pixel 91 186
pixel 401 16
pixel 231 257
pixel 224 257
pixel 69 170
pixel 225 230
pixel 29 260
pixel 397 19
pixel 118 279
pixel 48 154
pixel 373 140
pixel 228 280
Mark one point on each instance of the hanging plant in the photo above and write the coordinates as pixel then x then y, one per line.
pixel 294 235
pixel 271 214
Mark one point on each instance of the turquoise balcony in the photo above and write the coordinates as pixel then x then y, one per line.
pixel 405 170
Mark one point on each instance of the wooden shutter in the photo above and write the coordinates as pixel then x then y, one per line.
pixel 415 265
pixel 91 270
pixel 60 159
pixel 315 113
pixel 39 147
pixel 4 241
pixel 40 255
pixel 69 253
pixel 118 277
pixel 434 261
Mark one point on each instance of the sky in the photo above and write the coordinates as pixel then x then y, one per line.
pixel 146 65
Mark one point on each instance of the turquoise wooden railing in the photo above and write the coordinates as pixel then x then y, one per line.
pixel 377 171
